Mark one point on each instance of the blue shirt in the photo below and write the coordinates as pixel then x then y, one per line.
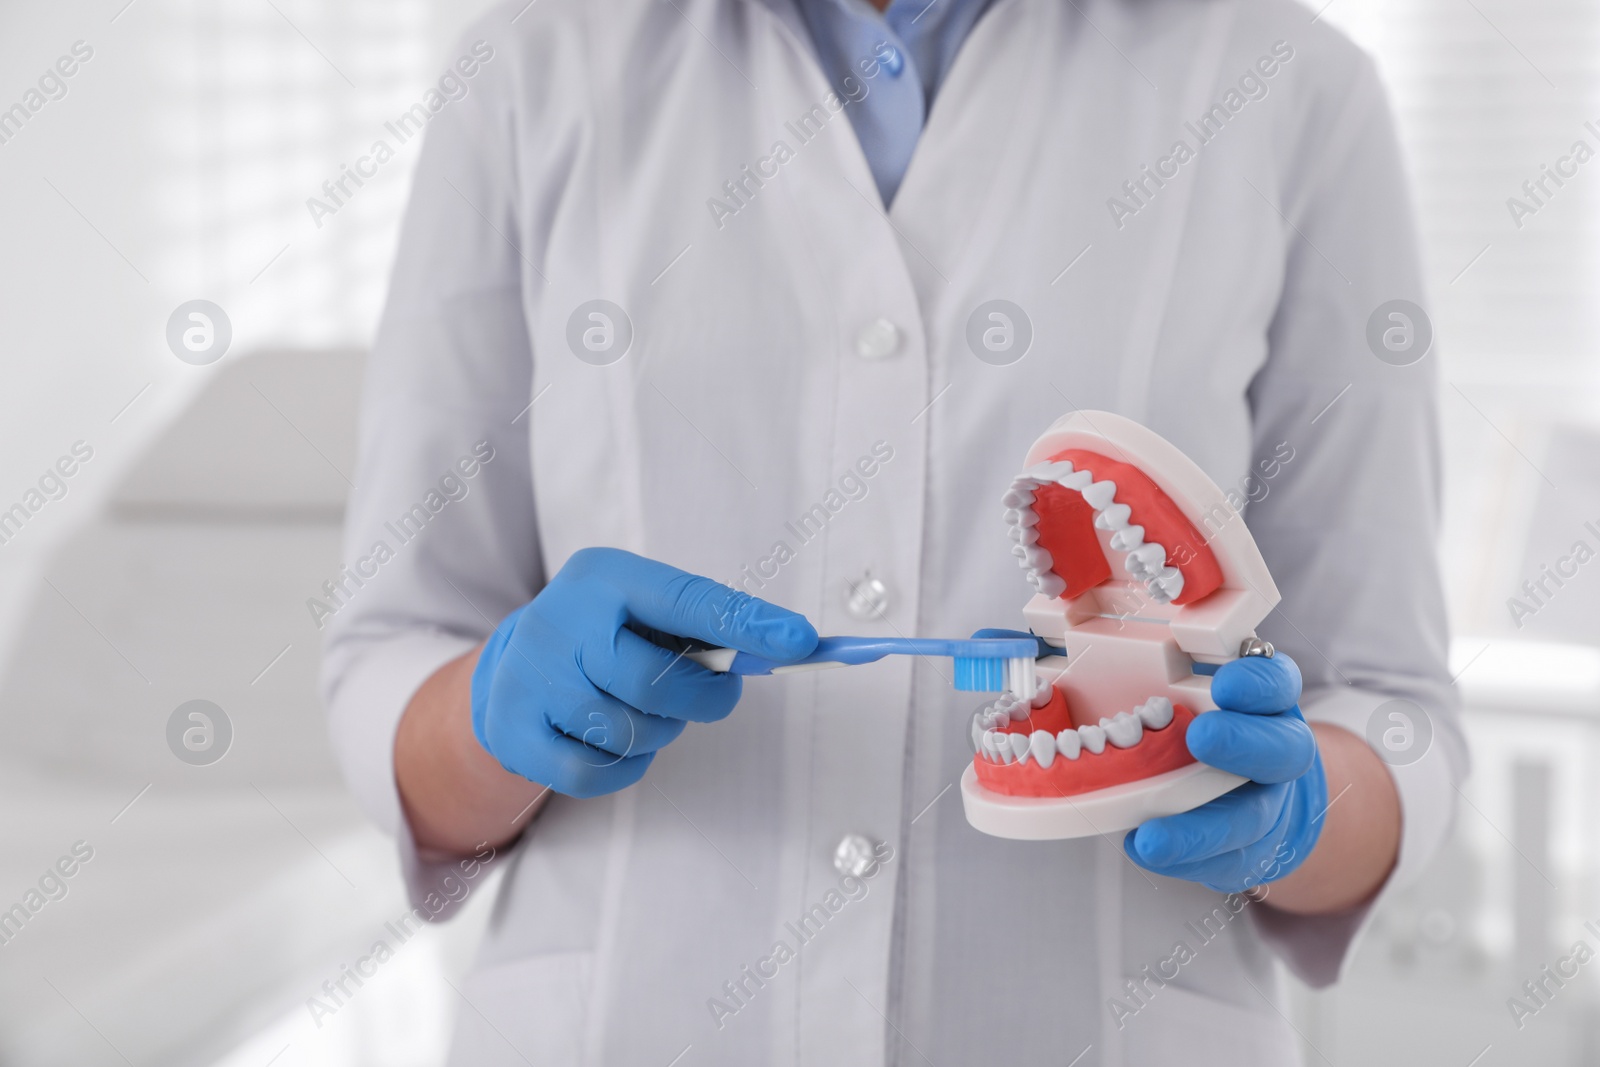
pixel 887 67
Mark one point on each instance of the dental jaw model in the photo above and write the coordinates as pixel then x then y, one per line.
pixel 1143 572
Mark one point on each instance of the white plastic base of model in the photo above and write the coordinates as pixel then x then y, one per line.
pixel 1104 811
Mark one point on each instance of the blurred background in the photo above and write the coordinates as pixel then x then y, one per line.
pixel 173 563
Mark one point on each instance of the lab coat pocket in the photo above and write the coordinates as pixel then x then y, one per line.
pixel 1181 1026
pixel 527 1011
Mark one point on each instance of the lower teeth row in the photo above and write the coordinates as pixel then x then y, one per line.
pixel 1123 730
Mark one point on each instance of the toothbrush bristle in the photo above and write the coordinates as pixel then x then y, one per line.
pixel 974 675
pixel 1021 678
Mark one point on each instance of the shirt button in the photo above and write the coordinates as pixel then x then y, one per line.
pixel 854 855
pixel 893 61
pixel 879 340
pixel 867 597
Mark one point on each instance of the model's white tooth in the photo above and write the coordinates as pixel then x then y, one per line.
pixel 1149 558
pixel 1156 713
pixel 1035 558
pixel 1094 738
pixel 1015 706
pixel 1123 729
pixel 1043 747
pixel 1020 747
pixel 1114 517
pixel 1050 584
pixel 1020 551
pixel 1171 581
pixel 1079 480
pixel 1100 495
pixel 1041 696
pixel 1028 517
pixel 1017 497
pixel 1027 535
pixel 1156 592
pixel 1129 537
pixel 1069 743
pixel 1010 517
pixel 1044 473
pixel 995 743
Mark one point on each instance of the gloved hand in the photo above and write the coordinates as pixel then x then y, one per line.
pixel 575 690
pixel 1265 828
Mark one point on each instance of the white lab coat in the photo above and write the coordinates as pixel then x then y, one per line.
pixel 1228 313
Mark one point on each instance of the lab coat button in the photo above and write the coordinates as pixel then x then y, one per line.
pixel 854 855
pixel 880 340
pixel 866 598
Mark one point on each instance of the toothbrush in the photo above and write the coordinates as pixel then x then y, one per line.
pixel 983 664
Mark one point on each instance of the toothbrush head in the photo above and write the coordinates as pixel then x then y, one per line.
pixel 1004 665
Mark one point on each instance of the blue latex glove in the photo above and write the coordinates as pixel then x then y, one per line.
pixel 1266 828
pixel 576 690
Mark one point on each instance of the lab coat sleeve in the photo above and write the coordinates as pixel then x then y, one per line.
pixel 441 518
pixel 1348 524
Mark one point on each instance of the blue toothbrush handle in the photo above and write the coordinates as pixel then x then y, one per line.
pixel 830 652
pixel 850 651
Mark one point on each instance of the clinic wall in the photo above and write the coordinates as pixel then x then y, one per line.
pixel 177 165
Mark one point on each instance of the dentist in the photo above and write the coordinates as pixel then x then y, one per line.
pixel 714 283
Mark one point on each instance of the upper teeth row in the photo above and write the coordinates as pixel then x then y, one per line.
pixel 1146 561
pixel 1123 730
